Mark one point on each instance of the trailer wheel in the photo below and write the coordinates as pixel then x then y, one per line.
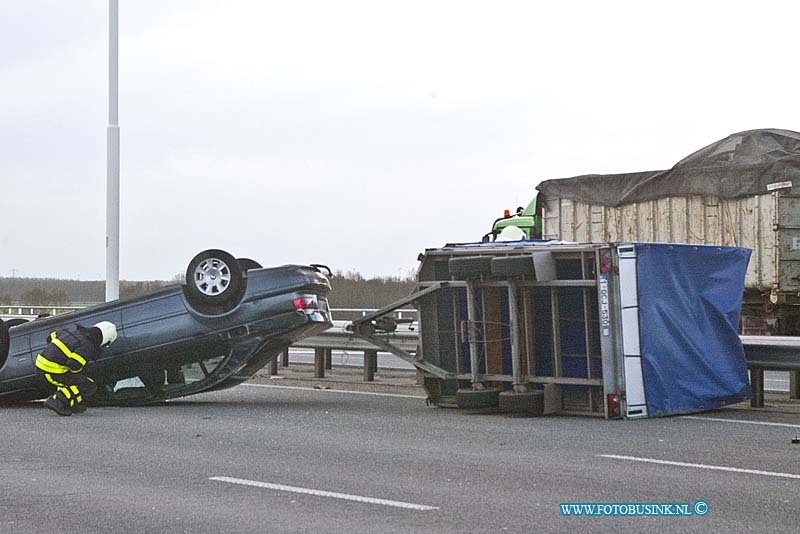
pixel 470 266
pixel 215 281
pixel 522 403
pixel 513 265
pixel 477 399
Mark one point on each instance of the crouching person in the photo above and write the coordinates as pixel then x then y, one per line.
pixel 62 361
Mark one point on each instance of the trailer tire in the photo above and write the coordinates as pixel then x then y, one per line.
pixel 522 403
pixel 477 399
pixel 470 266
pixel 513 265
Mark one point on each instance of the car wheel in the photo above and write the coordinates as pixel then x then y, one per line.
pixel 247 264
pixel 214 281
pixel 15 322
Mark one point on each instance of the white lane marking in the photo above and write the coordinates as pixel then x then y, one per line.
pixel 320 493
pixel 337 391
pixel 701 466
pixel 740 421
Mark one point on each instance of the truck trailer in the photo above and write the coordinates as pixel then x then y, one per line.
pixel 741 191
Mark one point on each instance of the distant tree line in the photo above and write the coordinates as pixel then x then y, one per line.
pixel 350 290
pixel 61 292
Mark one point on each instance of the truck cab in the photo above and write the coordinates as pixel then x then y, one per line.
pixel 524 224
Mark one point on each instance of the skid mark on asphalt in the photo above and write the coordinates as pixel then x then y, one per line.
pixel 701 466
pixel 740 421
pixel 376 394
pixel 321 493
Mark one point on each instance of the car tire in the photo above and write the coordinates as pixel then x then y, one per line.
pixel 11 323
pixel 247 264
pixel 215 281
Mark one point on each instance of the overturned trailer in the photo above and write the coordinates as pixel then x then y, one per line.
pixel 610 329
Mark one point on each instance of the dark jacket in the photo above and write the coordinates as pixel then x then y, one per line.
pixel 69 350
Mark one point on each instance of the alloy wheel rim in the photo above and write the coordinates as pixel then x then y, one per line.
pixel 212 277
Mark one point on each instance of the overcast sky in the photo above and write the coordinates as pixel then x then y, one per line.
pixel 355 134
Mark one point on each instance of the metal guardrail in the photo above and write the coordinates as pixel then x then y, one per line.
pixel 337 338
pixel 34 311
pixel 772 353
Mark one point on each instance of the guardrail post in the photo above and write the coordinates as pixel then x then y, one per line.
pixel 328 358
pixel 370 364
pixel 757 384
pixel 285 357
pixel 794 384
pixel 273 366
pixel 319 363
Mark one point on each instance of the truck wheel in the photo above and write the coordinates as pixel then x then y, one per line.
pixel 214 281
pixel 477 399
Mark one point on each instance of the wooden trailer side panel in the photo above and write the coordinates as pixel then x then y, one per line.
pixel 748 222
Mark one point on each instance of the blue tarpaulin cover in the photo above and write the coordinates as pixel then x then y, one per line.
pixel 690 299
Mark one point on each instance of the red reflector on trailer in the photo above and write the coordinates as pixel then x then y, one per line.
pixel 613 405
pixel 605 261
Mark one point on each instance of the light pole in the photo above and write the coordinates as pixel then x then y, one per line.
pixel 112 156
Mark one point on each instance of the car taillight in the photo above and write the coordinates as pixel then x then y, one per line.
pixel 613 405
pixel 306 304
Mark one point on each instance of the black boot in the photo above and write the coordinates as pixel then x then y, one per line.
pixel 58 405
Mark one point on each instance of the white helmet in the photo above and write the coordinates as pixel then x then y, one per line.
pixel 109 332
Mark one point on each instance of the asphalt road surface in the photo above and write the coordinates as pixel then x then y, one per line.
pixel 275 459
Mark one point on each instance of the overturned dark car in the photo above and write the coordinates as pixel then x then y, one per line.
pixel 230 319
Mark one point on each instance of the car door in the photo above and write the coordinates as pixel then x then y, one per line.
pixel 17 363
